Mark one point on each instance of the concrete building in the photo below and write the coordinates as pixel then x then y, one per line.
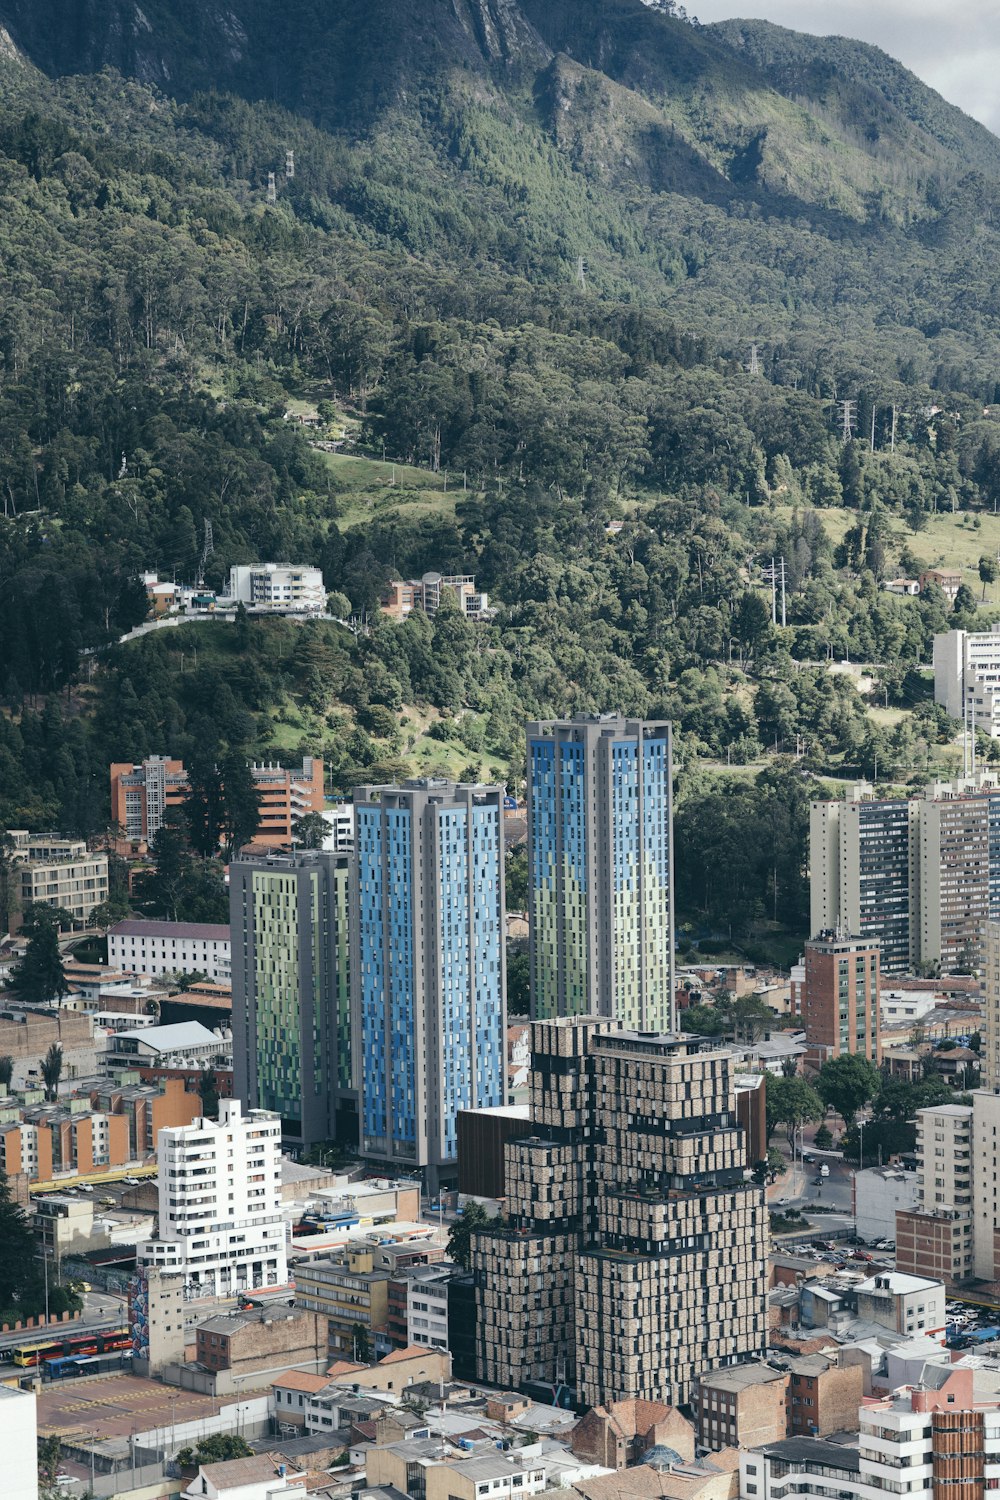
pixel 634 1256
pixel 143 795
pixel 26 1035
pixel 142 946
pixel 340 839
pixel 622 1434
pixel 18 1444
pixel 822 1396
pixel 277 589
pixel 58 872
pixel 350 1292
pixel 840 998
pixel 909 1305
pixel 90 1133
pixel 400 599
pixel 933 1441
pixel 418 1465
pixel 291 992
pixel 157 1308
pixel 427 1306
pixel 741 1407
pixel 482 1136
pixel 240 1344
pixel 259 1478
pixel 935 1237
pixel 600 870
pixel 429 981
pixel 879 1193
pixel 183 1047
pixel 220 1220
pixel 862 854
pixel 967 676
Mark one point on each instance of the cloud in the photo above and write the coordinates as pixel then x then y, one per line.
pixel 956 51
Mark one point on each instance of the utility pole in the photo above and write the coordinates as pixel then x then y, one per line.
pixel 848 419
pixel 892 435
pixel 775 572
pixel 873 426
pixel 774 613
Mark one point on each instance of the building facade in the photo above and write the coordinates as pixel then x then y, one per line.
pixel 144 796
pixel 429 980
pixel 600 870
pixel 291 992
pixel 220 1222
pixel 138 946
pixel 58 872
pixel 635 1256
pixel 401 599
pixel 967 676
pixel 935 1237
pixel 272 588
pixel 841 998
pixel 862 857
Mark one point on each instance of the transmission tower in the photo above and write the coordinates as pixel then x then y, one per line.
pixel 848 419
pixel 208 547
pixel 754 366
pixel 581 273
pixel 289 165
pixel 272 188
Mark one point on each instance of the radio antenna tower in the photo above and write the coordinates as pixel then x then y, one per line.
pixel 754 366
pixel 272 188
pixel 289 165
pixel 848 419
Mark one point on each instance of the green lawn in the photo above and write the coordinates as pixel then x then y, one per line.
pixel 370 489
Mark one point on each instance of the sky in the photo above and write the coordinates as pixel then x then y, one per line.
pixel 955 48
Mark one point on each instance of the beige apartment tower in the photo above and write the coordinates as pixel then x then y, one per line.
pixel 635 1257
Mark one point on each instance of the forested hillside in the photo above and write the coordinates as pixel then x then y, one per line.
pixel 525 251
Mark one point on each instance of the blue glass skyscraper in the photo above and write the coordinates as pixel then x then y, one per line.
pixel 600 870
pixel 430 965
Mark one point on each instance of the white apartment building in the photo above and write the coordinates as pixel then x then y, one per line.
pixel 18 1444
pixel 53 871
pixel 967 675
pixel 220 1222
pixel 147 947
pixel 427 1305
pixel 278 589
pixel 340 839
pixel 929 1442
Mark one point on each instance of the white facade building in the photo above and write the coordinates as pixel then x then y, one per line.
pixel 141 947
pixel 340 839
pixel 278 589
pixel 925 1442
pixel 967 675
pixel 18 1444
pixel 427 1305
pixel 220 1221
pixel 878 1193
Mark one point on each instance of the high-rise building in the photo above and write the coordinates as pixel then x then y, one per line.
pixel 429 966
pixel 291 992
pixel 220 1222
pixel 600 870
pixel 635 1253
pixel 920 874
pixel 967 676
pixel 841 998
pixel 142 796
pixel 862 855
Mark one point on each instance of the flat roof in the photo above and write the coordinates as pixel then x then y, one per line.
pixel 806 1450
pixel 114 1405
pixel 211 932
pixel 740 1377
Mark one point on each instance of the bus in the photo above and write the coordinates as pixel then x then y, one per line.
pixel 68 1366
pixel 95 1342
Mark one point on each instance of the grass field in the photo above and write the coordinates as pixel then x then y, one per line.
pixel 950 541
pixel 370 489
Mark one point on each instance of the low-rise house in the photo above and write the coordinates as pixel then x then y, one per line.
pixel 619 1435
pixel 741 1406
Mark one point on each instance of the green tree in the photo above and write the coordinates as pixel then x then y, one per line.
pixel 751 1019
pixel 516 878
pixel 221 1447
pixel 208 1090
pixel 518 980
pixel 241 801
pixel 987 571
pixel 823 1139
pixel 472 1217
pixel 10 887
pixel 361 1349
pixel 17 1248
pixel 49 1454
pixel 310 830
pixel 39 977
pixel 790 1102
pixel 847 1083
pixel 52 1064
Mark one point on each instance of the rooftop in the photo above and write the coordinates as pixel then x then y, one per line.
pixel 898 1283
pixel 740 1377
pixel 170 1038
pixel 209 932
pixel 806 1450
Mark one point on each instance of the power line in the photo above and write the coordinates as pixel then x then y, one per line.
pixel 848 419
